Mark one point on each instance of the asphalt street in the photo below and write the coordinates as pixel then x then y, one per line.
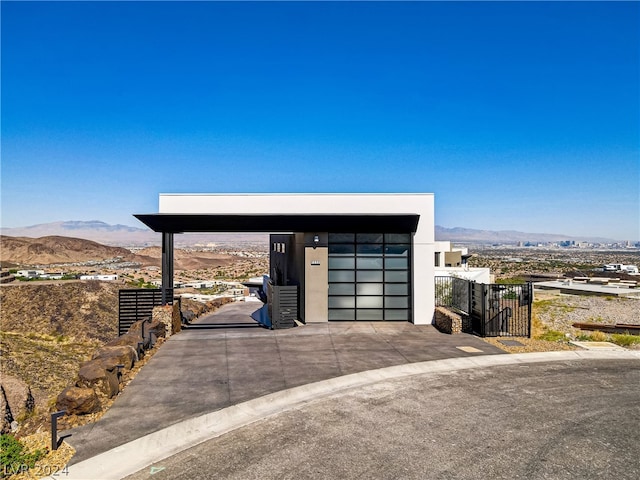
pixel 552 420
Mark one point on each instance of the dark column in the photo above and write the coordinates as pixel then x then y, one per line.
pixel 167 268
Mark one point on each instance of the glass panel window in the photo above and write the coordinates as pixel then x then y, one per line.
pixel 342 302
pixel 344 275
pixel 342 289
pixel 369 263
pixel 369 302
pixel 399 276
pixel 369 289
pixel 396 315
pixel 396 250
pixel 370 315
pixel 369 276
pixel 368 249
pixel 396 289
pixel 369 238
pixel 342 238
pixel 342 249
pixel 399 263
pixel 397 237
pixel 396 302
pixel 345 263
pixel 345 315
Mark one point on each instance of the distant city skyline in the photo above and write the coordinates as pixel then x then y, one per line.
pixel 120 234
pixel 518 115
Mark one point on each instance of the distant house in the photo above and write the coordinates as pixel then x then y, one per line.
pixel 448 256
pixel 29 273
pixel 6 277
pixel 52 276
pixel 452 262
pixel 102 278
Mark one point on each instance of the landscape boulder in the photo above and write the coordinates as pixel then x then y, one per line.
pixel 132 339
pixel 15 391
pixel 94 375
pixel 155 328
pixel 117 355
pixel 78 401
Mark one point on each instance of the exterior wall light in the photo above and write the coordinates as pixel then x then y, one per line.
pixel 316 241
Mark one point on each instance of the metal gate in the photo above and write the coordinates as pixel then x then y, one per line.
pixel 496 310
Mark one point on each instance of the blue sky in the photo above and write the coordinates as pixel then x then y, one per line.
pixel 522 116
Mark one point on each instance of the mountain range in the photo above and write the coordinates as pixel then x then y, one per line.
pixel 124 235
pixel 48 250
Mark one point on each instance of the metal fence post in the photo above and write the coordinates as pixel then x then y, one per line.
pixel 54 428
pixel 483 320
pixel 530 306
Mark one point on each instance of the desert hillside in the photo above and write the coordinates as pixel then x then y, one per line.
pixel 185 260
pixel 84 311
pixel 47 330
pixel 65 250
pixel 54 249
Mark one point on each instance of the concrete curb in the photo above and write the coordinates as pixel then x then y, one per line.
pixel 143 452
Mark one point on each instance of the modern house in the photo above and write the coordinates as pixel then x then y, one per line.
pixel 101 278
pixel 345 257
pixel 29 273
pixel 452 261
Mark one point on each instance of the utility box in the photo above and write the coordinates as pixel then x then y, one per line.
pixel 283 305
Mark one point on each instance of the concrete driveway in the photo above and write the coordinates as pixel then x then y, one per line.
pixel 227 359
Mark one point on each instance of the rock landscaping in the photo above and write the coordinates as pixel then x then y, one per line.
pixel 448 321
pixel 100 378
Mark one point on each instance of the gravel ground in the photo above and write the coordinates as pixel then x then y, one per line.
pixel 559 312
pixel 529 345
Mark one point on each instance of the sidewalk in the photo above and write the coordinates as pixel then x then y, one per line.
pixel 226 359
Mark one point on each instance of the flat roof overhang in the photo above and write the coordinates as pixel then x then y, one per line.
pixel 273 223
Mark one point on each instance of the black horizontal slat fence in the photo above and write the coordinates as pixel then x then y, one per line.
pixel 137 304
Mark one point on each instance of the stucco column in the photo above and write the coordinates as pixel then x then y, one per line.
pixel 316 278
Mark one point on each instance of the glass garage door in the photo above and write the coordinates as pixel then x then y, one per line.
pixel 369 276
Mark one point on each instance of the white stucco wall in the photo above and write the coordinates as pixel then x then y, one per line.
pixel 421 204
pixel 480 275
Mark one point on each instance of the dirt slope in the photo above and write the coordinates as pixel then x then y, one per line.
pixel 47 330
pixel 184 260
pixel 83 310
pixel 49 250
pixel 56 249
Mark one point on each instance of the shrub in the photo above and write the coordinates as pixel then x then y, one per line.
pixel 510 281
pixel 510 294
pixel 625 340
pixel 552 336
pixel 13 458
pixel 598 336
